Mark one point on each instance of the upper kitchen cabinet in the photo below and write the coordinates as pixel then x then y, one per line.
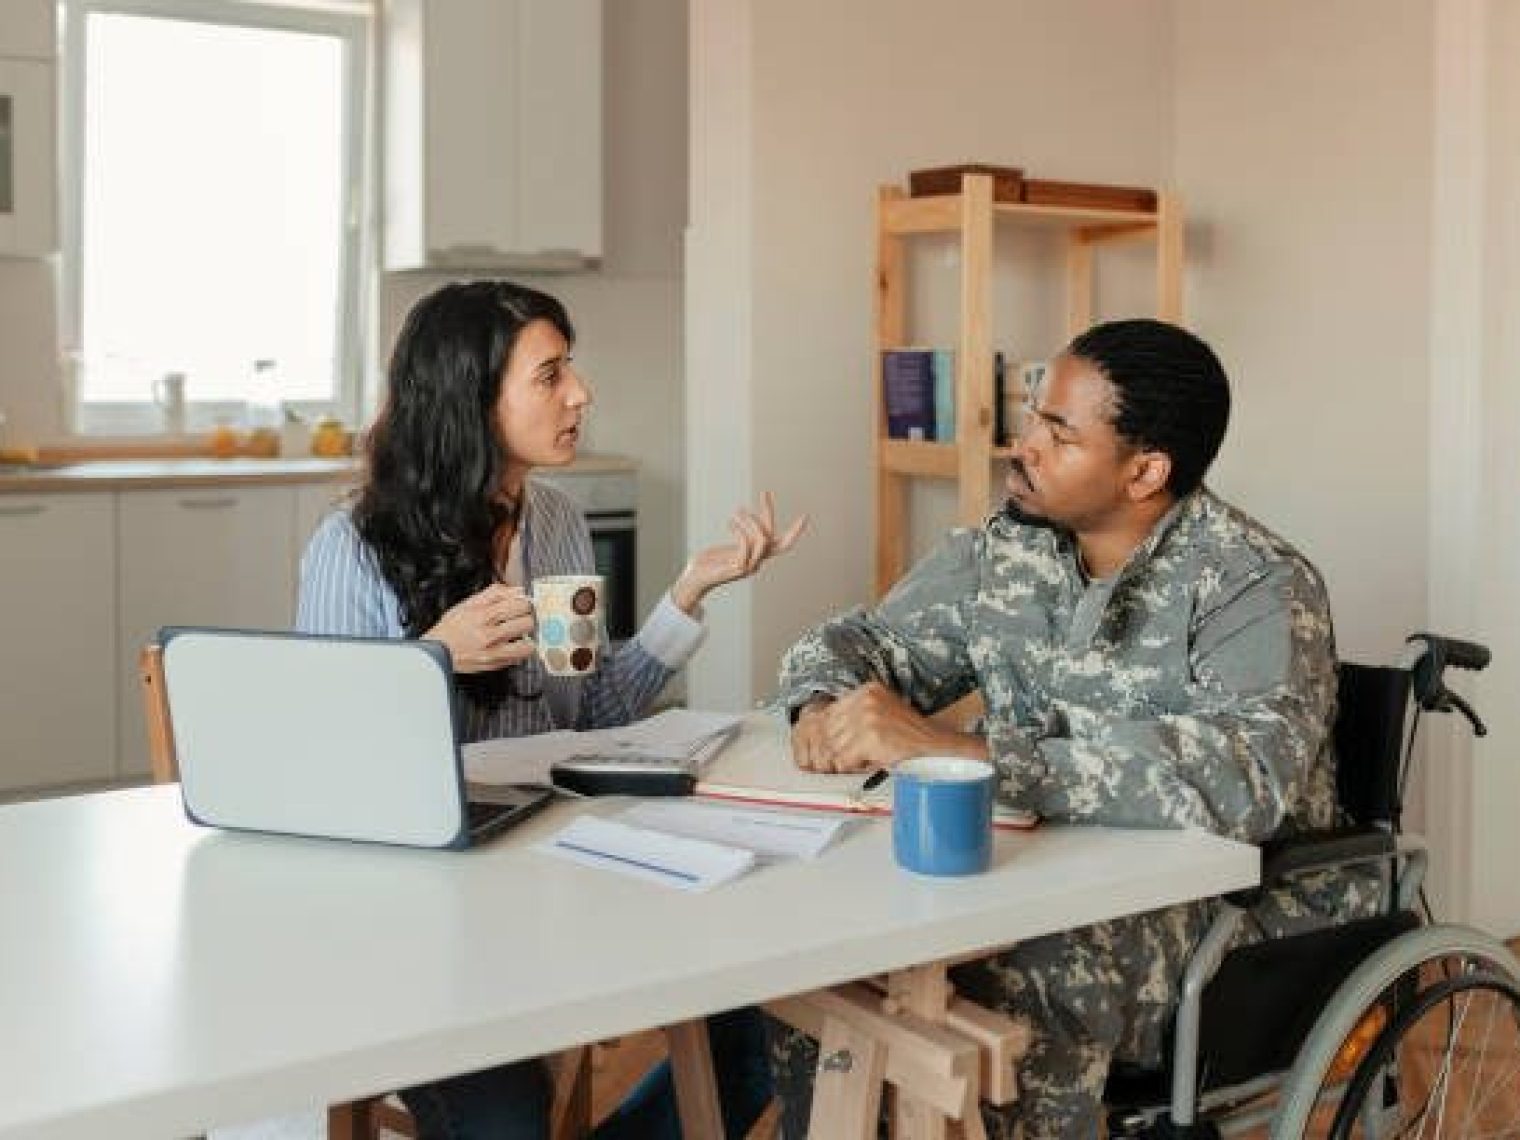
pixel 493 134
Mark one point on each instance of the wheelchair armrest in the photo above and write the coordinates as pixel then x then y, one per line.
pixel 1282 859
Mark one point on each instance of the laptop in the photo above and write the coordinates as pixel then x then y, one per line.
pixel 342 738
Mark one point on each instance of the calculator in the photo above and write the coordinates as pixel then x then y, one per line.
pixel 626 774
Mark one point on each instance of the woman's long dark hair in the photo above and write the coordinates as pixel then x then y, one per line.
pixel 430 506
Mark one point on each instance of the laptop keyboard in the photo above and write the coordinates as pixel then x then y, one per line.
pixel 476 814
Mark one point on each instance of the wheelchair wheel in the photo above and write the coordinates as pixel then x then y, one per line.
pixel 1448 1065
pixel 1423 1039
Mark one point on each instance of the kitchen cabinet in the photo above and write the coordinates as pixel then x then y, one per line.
pixel 58 687
pixel 220 556
pixel 311 504
pixel 493 134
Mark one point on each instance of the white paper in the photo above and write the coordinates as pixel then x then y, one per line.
pixel 670 860
pixel 675 734
pixel 774 836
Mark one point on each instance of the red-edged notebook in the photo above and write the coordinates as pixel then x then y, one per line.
pixel 878 801
pixel 756 768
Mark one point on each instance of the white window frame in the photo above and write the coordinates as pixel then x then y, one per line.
pixel 350 20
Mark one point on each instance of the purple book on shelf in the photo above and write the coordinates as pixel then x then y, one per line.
pixel 907 378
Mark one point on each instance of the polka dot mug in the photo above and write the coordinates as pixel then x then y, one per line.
pixel 569 609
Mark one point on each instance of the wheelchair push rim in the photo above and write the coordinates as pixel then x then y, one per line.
pixel 1484 968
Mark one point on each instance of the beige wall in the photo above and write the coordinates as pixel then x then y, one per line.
pixel 847 95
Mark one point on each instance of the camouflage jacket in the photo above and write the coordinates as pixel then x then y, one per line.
pixel 1194 688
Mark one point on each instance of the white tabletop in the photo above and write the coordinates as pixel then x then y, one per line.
pixel 157 979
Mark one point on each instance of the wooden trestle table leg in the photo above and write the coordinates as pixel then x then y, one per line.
pixel 696 1084
pixel 936 1056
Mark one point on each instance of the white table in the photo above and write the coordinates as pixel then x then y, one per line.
pixel 157 979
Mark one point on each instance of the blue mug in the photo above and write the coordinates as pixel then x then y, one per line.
pixel 942 815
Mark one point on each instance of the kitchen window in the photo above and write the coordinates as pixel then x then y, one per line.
pixel 214 213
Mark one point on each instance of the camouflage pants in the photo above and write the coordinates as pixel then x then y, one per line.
pixel 1090 996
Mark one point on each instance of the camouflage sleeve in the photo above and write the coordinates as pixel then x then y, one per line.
pixel 1248 753
pixel 913 640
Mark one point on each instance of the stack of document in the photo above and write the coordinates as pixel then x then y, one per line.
pixel 688 845
pixel 689 864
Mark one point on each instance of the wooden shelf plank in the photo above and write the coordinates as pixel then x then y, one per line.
pixel 941 213
pixel 917 457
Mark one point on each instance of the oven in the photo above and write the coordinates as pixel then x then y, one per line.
pixel 614 538
pixel 609 500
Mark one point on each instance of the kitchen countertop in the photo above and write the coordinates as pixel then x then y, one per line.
pixel 139 474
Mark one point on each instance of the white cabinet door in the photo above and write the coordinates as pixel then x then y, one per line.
pixel 493 131
pixel 312 504
pixel 58 651
pixel 210 556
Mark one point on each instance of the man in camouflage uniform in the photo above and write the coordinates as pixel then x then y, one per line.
pixel 1148 655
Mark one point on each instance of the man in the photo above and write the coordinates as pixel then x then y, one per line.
pixel 1148 656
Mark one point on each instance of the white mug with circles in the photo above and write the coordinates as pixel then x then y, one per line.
pixel 569 611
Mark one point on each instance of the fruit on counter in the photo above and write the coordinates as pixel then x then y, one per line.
pixel 225 441
pixel 329 438
pixel 263 443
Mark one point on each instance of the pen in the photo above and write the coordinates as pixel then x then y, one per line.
pixel 875 780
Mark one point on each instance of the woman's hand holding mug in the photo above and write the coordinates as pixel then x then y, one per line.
pixel 488 630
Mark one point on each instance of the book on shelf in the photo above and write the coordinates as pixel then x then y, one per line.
pixel 1002 424
pixel 907 379
pixel 944 395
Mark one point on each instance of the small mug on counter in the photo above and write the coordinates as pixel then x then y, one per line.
pixel 169 395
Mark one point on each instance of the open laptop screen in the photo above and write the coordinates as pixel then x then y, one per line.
pixel 343 738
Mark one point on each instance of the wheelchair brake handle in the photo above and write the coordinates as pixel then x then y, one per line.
pixel 1454 701
pixel 1444 651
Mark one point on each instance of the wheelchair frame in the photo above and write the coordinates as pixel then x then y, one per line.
pixel 1247 1104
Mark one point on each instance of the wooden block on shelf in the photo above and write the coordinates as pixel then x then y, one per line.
pixel 1007 181
pixel 1089 195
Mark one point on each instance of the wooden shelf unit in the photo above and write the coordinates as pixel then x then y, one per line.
pixel 974 215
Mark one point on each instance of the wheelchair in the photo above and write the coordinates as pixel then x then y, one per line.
pixel 1375 1027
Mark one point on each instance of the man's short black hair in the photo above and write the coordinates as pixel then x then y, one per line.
pixel 1171 392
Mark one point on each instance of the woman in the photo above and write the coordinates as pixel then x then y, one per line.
pixel 440 543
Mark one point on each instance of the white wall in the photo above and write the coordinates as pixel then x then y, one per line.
pixel 1353 170
pixel 1491 433
pixel 846 96
pixel 1303 151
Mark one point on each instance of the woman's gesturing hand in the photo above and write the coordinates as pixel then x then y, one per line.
pixel 489 630
pixel 755 540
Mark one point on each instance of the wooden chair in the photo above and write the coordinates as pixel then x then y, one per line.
pixel 364 1119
